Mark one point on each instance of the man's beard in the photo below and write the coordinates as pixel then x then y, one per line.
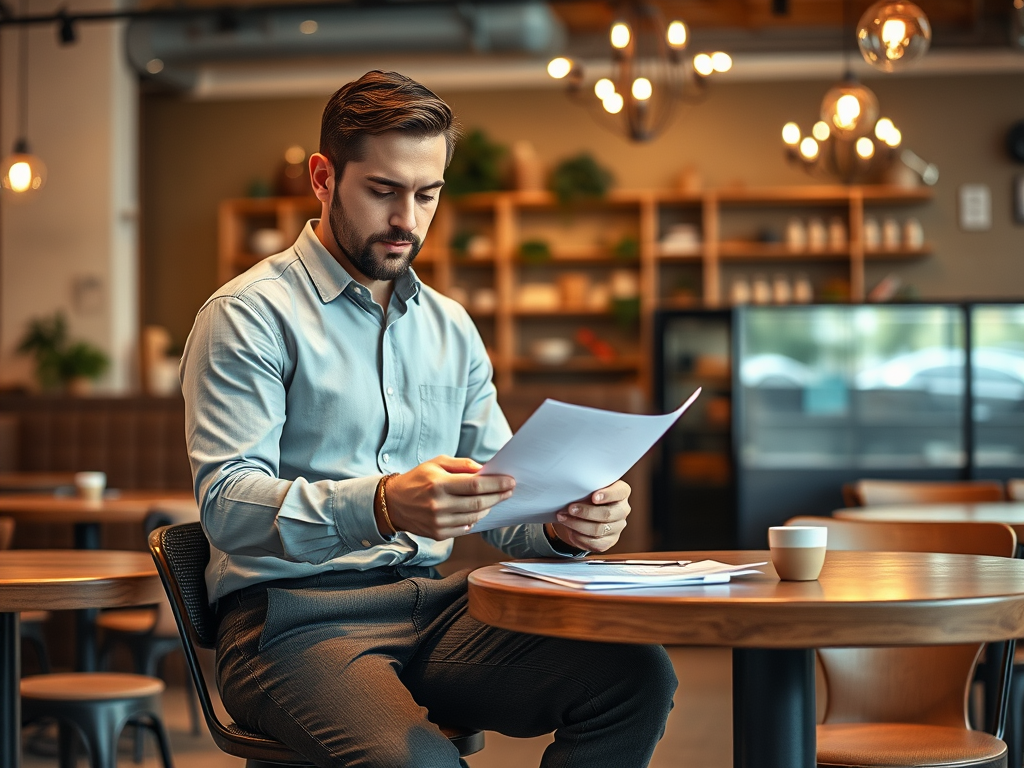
pixel 360 253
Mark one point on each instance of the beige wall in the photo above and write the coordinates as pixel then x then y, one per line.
pixel 81 229
pixel 196 153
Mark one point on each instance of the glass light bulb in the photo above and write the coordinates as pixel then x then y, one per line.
pixel 849 109
pixel 702 63
pixel 791 134
pixel 808 148
pixel 677 34
pixel 642 89
pixel 308 27
pixel 721 62
pixel 883 127
pixel 865 147
pixel 847 112
pixel 613 104
pixel 559 67
pixel 604 88
pixel 821 131
pixel 892 34
pixel 894 137
pixel 620 34
pixel 23 174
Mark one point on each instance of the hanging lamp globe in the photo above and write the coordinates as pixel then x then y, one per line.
pixel 849 109
pixel 893 35
pixel 23 174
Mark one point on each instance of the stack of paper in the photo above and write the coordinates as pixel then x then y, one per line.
pixel 632 574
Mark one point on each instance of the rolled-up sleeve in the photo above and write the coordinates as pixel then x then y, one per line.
pixel 233 375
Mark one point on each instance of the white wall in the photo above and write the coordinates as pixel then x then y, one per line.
pixel 75 246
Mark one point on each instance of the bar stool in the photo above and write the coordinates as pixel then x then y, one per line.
pixel 98 705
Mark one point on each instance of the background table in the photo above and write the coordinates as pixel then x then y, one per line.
pixel 21 482
pixel 860 599
pixel 1009 512
pixel 31 579
pixel 87 518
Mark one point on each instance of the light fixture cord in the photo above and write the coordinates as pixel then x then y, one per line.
pixel 23 76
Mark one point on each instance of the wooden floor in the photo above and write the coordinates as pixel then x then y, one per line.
pixel 699 730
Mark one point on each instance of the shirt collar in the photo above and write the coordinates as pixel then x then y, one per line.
pixel 331 279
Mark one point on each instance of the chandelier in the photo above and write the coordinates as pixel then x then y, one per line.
pixel 649 74
pixel 851 141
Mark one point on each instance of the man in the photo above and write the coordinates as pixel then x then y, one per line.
pixel 337 409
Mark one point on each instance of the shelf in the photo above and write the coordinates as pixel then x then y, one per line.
pixel 579 365
pixel 741 249
pixel 549 313
pixel 900 253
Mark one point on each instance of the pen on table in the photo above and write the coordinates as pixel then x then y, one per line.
pixel 653 563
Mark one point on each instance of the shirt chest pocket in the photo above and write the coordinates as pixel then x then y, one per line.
pixel 440 420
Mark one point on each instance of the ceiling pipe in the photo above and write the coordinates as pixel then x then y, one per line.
pixel 173 49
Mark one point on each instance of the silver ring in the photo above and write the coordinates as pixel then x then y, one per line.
pixel 606 530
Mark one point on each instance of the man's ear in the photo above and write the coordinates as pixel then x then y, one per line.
pixel 321 176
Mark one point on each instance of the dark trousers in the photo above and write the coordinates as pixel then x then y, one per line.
pixel 345 669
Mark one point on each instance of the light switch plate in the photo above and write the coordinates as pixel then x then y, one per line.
pixel 975 207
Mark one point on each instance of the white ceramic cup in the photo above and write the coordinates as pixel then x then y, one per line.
pixel 91 485
pixel 798 551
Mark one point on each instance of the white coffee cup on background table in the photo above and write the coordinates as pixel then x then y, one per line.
pixel 90 485
pixel 798 551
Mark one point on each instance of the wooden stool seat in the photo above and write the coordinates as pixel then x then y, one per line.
pixel 34 617
pixel 90 686
pixel 895 745
pixel 133 621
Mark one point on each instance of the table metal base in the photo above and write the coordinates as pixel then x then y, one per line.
pixel 773 710
pixel 10 693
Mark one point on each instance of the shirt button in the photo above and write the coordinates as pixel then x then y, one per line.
pixel 390 391
pixel 386 458
pixel 365 543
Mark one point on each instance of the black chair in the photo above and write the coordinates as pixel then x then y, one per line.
pixel 181 553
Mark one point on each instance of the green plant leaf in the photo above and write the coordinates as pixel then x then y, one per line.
pixel 580 178
pixel 477 165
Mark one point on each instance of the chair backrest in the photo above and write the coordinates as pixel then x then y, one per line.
pixel 871 493
pixel 160 514
pixel 1015 489
pixel 927 685
pixel 181 553
pixel 6 532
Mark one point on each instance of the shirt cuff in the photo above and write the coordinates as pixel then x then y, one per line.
pixel 540 543
pixel 352 501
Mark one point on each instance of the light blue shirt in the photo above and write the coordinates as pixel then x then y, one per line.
pixel 300 394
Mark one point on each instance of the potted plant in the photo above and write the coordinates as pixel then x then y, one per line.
pixel 580 178
pixel 62 364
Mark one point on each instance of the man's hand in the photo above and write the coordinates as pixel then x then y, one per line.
pixel 444 497
pixel 595 524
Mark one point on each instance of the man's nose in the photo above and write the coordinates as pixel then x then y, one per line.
pixel 403 215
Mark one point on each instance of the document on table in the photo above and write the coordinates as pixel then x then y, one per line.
pixel 564 453
pixel 604 574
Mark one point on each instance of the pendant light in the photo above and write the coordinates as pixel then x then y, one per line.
pixel 23 174
pixel 893 35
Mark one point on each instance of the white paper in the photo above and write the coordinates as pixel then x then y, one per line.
pixel 563 453
pixel 593 575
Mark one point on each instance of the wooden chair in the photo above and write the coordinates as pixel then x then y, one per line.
pixel 906 706
pixel 1015 489
pixel 872 493
pixel 181 553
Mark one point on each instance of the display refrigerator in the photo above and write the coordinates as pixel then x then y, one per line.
pixel 821 395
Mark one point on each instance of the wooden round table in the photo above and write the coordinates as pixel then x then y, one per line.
pixel 34 579
pixel 87 518
pixel 47 482
pixel 1009 512
pixel 860 599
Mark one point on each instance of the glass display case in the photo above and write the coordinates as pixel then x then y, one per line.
pixel 821 395
pixel 997 389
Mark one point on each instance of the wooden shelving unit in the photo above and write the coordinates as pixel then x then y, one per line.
pixel 582 240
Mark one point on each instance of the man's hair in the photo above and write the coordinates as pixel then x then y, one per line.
pixel 378 102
